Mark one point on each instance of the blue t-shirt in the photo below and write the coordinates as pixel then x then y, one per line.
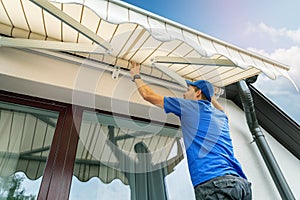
pixel 206 138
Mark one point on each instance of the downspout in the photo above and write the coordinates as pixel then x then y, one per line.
pixel 259 138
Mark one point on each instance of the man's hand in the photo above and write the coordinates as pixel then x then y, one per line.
pixel 216 104
pixel 135 69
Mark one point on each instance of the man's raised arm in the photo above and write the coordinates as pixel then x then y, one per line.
pixel 145 91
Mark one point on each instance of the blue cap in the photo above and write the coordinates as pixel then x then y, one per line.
pixel 205 86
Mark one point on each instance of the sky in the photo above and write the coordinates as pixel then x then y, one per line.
pixel 270 28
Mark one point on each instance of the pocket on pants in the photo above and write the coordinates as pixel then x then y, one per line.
pixel 225 183
pixel 228 189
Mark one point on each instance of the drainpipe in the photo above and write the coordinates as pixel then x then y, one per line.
pixel 259 138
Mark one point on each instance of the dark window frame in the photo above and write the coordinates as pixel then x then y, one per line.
pixel 57 176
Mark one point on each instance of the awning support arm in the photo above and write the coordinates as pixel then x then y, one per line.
pixel 180 80
pixel 193 61
pixel 50 45
pixel 38 150
pixel 72 23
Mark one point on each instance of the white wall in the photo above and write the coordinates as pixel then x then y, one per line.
pixel 37 75
pixel 78 83
pixel 252 162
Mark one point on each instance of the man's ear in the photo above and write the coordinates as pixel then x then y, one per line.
pixel 198 93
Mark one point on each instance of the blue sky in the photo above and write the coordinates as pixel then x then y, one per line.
pixel 271 28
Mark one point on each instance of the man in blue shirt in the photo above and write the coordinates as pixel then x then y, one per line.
pixel 214 170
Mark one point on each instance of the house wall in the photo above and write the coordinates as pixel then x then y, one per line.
pixel 248 154
pixel 92 85
pixel 78 83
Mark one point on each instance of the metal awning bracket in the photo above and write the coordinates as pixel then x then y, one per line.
pixel 116 72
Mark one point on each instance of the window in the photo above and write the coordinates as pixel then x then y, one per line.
pixel 51 150
pixel 120 157
pixel 25 137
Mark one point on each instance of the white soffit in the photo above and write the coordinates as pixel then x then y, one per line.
pixel 137 35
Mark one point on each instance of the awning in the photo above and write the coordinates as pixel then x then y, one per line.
pixel 119 33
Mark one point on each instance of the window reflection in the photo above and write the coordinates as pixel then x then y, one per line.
pixel 122 153
pixel 96 189
pixel 18 186
pixel 25 137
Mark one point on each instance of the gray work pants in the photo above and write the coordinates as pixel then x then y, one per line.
pixel 224 187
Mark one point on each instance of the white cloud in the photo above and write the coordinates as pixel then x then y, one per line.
pixel 281 91
pixel 275 34
pixel 288 57
pixel 281 45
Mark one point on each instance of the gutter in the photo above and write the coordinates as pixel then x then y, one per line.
pixel 259 138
